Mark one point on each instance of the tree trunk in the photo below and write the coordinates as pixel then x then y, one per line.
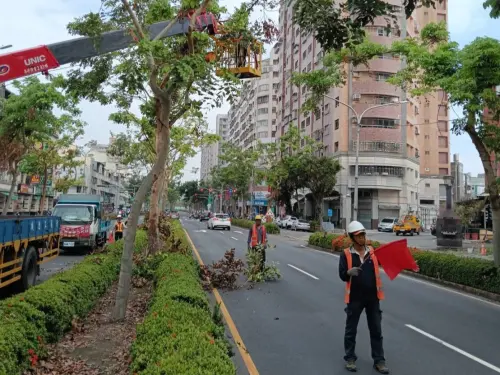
pixel 123 291
pixel 44 192
pixel 495 212
pixel 15 174
pixel 318 206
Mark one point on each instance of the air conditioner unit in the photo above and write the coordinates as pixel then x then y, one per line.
pixel 427 169
pixel 356 96
pixel 385 173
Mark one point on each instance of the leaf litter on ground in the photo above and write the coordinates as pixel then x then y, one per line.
pixel 97 345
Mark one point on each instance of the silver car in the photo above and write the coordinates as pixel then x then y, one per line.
pixel 301 225
pixel 387 224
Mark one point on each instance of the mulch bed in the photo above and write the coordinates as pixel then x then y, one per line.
pixel 97 345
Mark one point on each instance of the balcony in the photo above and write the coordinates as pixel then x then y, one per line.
pixel 381 65
pixel 378 146
pixel 375 88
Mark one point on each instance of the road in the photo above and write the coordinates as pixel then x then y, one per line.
pixel 424 241
pixel 295 325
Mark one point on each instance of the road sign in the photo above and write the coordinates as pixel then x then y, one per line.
pixel 330 212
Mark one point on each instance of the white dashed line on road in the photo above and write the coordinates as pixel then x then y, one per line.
pixel 304 272
pixel 454 348
pixel 237 231
pixel 234 238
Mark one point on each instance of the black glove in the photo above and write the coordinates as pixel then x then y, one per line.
pixel 355 271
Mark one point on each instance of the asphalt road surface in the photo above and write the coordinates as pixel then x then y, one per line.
pixel 295 326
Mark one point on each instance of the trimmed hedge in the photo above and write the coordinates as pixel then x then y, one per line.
pixel 271 228
pixel 179 334
pixel 472 272
pixel 45 312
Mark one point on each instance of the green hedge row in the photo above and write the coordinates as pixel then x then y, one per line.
pixel 44 313
pixel 472 272
pixel 179 334
pixel 271 228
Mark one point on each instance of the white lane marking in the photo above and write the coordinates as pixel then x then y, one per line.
pixel 454 348
pixel 428 283
pixel 234 238
pixel 302 246
pixel 237 231
pixel 221 232
pixel 202 231
pixel 304 272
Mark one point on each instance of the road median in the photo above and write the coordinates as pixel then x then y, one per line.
pixel 477 276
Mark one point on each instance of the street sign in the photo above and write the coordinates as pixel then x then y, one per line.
pixel 330 212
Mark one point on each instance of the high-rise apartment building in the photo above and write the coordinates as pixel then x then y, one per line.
pixel 210 152
pixel 400 147
pixel 253 117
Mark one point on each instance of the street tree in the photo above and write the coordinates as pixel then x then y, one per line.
pixel 238 169
pixel 352 16
pixel 188 189
pixel 55 153
pixel 164 74
pixel 137 147
pixel 34 114
pixel 173 197
pixel 464 78
pixel 320 179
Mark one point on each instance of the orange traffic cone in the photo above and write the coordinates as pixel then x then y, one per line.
pixel 483 249
pixel 111 237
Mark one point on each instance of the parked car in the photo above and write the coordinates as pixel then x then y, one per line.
pixel 301 225
pixel 174 215
pixel 219 221
pixel 288 222
pixel 205 216
pixel 387 224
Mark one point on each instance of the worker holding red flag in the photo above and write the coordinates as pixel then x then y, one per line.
pixel 359 269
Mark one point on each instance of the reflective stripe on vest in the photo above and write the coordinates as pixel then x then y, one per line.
pixel 255 238
pixel 378 280
pixel 119 227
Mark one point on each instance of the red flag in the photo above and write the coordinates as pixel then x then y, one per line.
pixel 395 257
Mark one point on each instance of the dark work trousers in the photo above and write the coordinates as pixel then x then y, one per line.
pixel 118 236
pixel 374 318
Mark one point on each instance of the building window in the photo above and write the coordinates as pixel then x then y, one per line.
pixel 378 170
pixel 303 124
pixel 261 123
pixel 427 152
pixel 442 126
pixel 382 77
pixel 336 147
pixel 443 158
pixel 296 64
pixel 443 171
pixel 443 110
pixel 426 136
pixel 326 109
pixel 317 113
pixel 308 121
pixel 337 124
pixel 304 54
pixel 262 111
pixel 379 122
pixel 263 99
pixel 263 87
pixel 337 101
pixel 443 142
pixel 384 31
pixel 427 185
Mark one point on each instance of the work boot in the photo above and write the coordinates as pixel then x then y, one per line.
pixel 351 366
pixel 381 367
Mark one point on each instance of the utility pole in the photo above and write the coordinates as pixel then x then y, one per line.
pixel 220 200
pixel 358 130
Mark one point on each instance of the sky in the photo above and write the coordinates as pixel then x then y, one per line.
pixel 29 23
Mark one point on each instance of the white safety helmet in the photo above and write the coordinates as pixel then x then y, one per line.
pixel 355 227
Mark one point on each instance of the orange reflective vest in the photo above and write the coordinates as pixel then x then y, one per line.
pixel 255 238
pixel 119 227
pixel 378 281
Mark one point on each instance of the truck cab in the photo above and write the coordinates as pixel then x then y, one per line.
pixel 82 224
pixel 408 224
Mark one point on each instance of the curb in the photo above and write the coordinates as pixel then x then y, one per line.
pixel 463 288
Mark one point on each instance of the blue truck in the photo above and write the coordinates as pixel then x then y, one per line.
pixel 83 222
pixel 26 242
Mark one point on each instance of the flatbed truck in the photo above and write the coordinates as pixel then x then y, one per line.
pixel 26 242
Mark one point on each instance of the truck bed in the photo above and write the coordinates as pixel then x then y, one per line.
pixel 15 228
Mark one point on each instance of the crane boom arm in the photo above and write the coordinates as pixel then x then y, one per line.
pixel 43 58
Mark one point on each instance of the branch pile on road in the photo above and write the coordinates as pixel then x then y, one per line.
pixel 180 334
pixel 45 312
pixel 471 272
pixel 271 228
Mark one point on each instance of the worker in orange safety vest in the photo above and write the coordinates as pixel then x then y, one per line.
pixel 258 236
pixel 359 269
pixel 119 228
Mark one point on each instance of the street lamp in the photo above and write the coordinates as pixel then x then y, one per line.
pixel 358 129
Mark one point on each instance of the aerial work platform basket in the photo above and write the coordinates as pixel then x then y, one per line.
pixel 238 56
